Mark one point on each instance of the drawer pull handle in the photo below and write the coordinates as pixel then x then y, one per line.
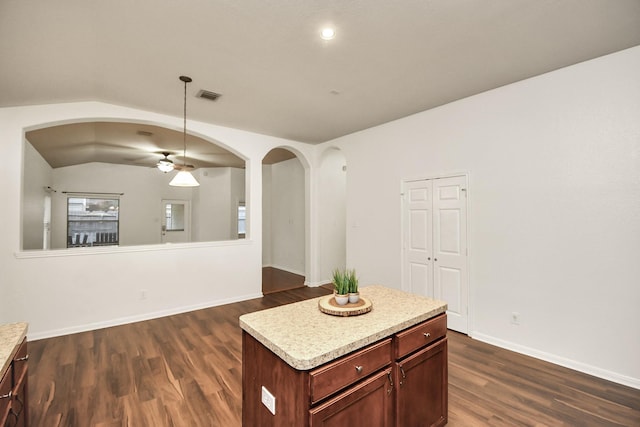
pixel 6 396
pixel 22 359
pixel 359 369
pixel 427 335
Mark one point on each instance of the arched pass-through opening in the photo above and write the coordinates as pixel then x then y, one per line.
pixel 283 221
pixel 104 168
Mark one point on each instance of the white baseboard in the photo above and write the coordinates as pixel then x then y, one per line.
pixel 316 284
pixel 138 318
pixel 558 360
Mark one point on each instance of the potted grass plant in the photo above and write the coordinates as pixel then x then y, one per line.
pixel 340 287
pixel 352 280
pixel 345 284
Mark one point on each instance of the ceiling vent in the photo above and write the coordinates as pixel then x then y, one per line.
pixel 207 94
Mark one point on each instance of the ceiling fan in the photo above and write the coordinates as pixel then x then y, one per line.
pixel 166 165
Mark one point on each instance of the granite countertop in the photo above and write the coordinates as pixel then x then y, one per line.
pixel 304 337
pixel 11 335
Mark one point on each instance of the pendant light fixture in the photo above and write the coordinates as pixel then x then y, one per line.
pixel 184 177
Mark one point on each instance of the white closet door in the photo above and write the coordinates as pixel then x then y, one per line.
pixel 435 244
pixel 450 248
pixel 418 238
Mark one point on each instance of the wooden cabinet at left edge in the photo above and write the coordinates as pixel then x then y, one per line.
pixel 14 391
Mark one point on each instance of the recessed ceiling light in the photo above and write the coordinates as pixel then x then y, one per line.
pixel 328 33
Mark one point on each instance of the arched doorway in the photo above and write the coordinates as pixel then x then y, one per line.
pixel 283 221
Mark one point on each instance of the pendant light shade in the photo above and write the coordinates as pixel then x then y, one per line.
pixel 184 178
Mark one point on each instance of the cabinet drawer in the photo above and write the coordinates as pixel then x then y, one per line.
pixel 336 375
pixel 5 395
pixel 420 335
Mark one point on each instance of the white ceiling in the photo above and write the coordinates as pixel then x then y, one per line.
pixel 276 76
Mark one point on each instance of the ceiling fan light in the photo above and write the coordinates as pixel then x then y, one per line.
pixel 328 33
pixel 184 179
pixel 165 165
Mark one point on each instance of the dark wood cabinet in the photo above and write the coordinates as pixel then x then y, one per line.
pixel 6 393
pixel 398 381
pixel 338 390
pixel 368 403
pixel 422 390
pixel 14 391
pixel 421 374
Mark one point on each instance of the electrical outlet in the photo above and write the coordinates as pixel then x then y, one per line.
pixel 269 400
pixel 515 318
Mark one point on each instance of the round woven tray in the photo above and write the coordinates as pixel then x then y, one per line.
pixel 328 305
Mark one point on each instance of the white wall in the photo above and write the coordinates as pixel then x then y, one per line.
pixel 65 291
pixel 554 165
pixel 286 247
pixel 215 203
pixel 332 187
pixel 266 215
pixel 143 189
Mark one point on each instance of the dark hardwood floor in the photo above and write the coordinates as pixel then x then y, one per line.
pixel 276 280
pixel 185 370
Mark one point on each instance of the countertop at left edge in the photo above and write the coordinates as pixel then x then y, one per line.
pixel 11 334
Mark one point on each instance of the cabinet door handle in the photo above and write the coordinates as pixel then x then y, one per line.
pixel 404 377
pixel 359 369
pixel 390 389
pixel 427 335
pixel 22 359
pixel 6 396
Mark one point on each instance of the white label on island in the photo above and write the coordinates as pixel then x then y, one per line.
pixel 268 400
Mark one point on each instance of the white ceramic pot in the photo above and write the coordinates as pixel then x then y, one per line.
pixel 341 299
pixel 354 297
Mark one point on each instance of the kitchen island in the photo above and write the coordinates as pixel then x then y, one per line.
pixel 302 367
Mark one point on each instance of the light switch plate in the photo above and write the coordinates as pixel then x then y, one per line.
pixel 269 400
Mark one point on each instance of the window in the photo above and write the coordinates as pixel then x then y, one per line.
pixel 174 216
pixel 242 220
pixel 92 221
